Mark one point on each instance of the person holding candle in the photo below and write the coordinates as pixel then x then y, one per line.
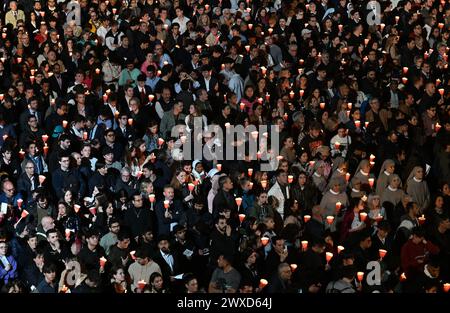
pixel 407 222
pixel 329 202
pixel 142 268
pixel 376 211
pixel 281 280
pixel 305 193
pixel 32 131
pixel 40 166
pixel 280 253
pixel 383 240
pixel 55 250
pixel 340 142
pixel 28 181
pixel 119 254
pixel 280 190
pixel 119 280
pixel 351 223
pixel 138 217
pixel 224 198
pixel 416 252
pixel 170 214
pixel 363 174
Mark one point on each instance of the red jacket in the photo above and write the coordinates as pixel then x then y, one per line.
pixel 411 254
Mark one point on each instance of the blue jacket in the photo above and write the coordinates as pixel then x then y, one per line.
pixel 10 275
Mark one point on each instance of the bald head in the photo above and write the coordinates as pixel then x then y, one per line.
pixel 8 188
pixel 47 223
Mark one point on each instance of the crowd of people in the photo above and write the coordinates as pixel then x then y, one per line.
pixel 97 194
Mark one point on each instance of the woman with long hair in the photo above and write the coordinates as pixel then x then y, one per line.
pixel 180 186
pixel 195 112
pixel 119 280
pixel 151 136
pixel 157 283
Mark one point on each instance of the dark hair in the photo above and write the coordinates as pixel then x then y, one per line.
pixel 49 268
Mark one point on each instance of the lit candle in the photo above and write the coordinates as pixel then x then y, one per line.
pixel 44 138
pixel 338 206
pixel 362 216
pixel 382 253
pixel 360 276
pixel 422 219
pixel 250 172
pixel 41 179
pixel 304 245
pixel 330 219
pixel 371 182
pixel 337 145
pixel 64 123
pixel 446 287
pixel 191 187
pixel 241 218
pixel 238 201
pixel 263 283
pixel 93 210
pixel 328 256
pixel 166 204
pixel 67 232
pixel 219 167
pixel 340 249
pixel 141 284
pixel 293 267
pixel 102 261
pixel 306 218
pixel 130 121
